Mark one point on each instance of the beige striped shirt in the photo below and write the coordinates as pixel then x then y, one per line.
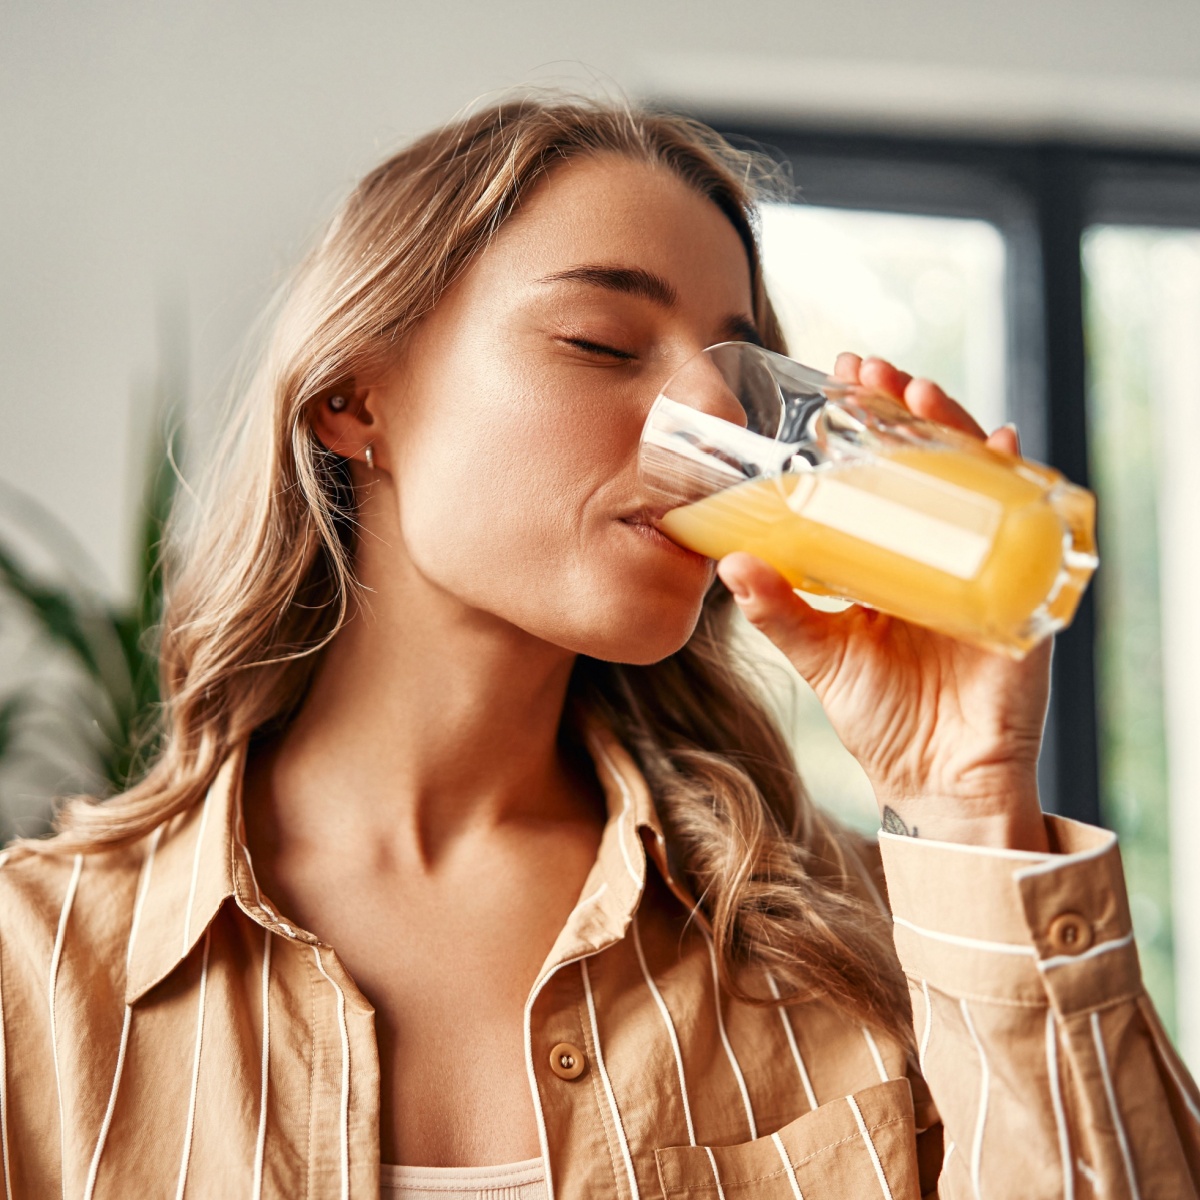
pixel 166 1032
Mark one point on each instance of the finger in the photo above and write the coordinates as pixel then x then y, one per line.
pixel 1006 439
pixel 925 399
pixel 879 374
pixel 768 602
pixel 847 366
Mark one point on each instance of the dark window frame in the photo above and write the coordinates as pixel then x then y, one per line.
pixel 1042 196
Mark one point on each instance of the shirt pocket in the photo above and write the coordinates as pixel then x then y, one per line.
pixel 862 1145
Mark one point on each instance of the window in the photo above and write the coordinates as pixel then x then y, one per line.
pixel 1057 286
pixel 1143 326
pixel 926 292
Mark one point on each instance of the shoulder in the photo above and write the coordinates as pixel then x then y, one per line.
pixel 31 879
pixel 46 893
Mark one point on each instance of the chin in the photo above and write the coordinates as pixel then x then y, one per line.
pixel 638 637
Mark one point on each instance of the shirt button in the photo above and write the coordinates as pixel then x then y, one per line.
pixel 567 1061
pixel 1069 933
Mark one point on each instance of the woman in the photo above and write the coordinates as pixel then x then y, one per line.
pixel 468 853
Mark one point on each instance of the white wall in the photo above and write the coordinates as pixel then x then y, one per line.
pixel 176 157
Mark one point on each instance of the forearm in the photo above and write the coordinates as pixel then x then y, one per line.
pixel 1035 1035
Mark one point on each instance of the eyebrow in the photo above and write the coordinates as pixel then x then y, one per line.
pixel 632 281
pixel 637 281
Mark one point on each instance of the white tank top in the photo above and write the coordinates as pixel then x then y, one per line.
pixel 511 1181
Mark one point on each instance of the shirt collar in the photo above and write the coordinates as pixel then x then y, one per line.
pixel 186 877
pixel 198 860
pixel 628 798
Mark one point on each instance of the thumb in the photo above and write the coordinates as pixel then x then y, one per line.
pixel 803 633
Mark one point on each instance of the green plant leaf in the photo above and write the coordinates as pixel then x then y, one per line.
pixel 57 611
pixel 115 645
pixel 10 709
pixel 93 633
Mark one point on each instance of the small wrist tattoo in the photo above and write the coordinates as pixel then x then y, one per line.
pixel 894 823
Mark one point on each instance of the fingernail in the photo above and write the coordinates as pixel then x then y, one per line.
pixel 1015 432
pixel 739 590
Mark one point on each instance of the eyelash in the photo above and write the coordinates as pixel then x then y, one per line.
pixel 597 348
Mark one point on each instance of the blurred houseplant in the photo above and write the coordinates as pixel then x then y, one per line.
pixel 98 731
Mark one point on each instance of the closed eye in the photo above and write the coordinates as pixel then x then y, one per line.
pixel 598 349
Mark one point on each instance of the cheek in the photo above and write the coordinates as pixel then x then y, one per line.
pixel 501 459
pixel 503 489
pixel 509 498
pixel 538 546
pixel 482 513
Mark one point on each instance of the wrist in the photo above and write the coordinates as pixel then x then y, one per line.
pixel 1008 819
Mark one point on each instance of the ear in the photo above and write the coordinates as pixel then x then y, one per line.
pixel 343 421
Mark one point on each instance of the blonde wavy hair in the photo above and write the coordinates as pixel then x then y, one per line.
pixel 261 576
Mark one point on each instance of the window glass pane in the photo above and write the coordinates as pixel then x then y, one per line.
pixel 1143 313
pixel 925 292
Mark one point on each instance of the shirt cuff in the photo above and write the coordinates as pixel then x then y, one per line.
pixel 1015 926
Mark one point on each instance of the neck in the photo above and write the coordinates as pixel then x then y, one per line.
pixel 425 720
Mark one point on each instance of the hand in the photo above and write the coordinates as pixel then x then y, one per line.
pixel 947 733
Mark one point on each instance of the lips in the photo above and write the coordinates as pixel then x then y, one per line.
pixel 648 515
pixel 643 523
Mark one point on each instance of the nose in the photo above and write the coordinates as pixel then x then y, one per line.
pixel 708 383
pixel 713 394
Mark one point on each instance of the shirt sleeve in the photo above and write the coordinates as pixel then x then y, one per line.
pixel 1044 1055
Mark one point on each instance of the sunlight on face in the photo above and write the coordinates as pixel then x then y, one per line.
pixel 514 416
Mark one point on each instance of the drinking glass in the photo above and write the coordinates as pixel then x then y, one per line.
pixel 846 493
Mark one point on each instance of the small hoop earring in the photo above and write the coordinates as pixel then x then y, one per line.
pixel 370 453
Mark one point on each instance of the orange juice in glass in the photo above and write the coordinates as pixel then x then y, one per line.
pixel 848 494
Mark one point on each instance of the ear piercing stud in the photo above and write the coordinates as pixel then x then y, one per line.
pixel 338 402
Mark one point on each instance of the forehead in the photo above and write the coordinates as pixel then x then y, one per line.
pixel 606 208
